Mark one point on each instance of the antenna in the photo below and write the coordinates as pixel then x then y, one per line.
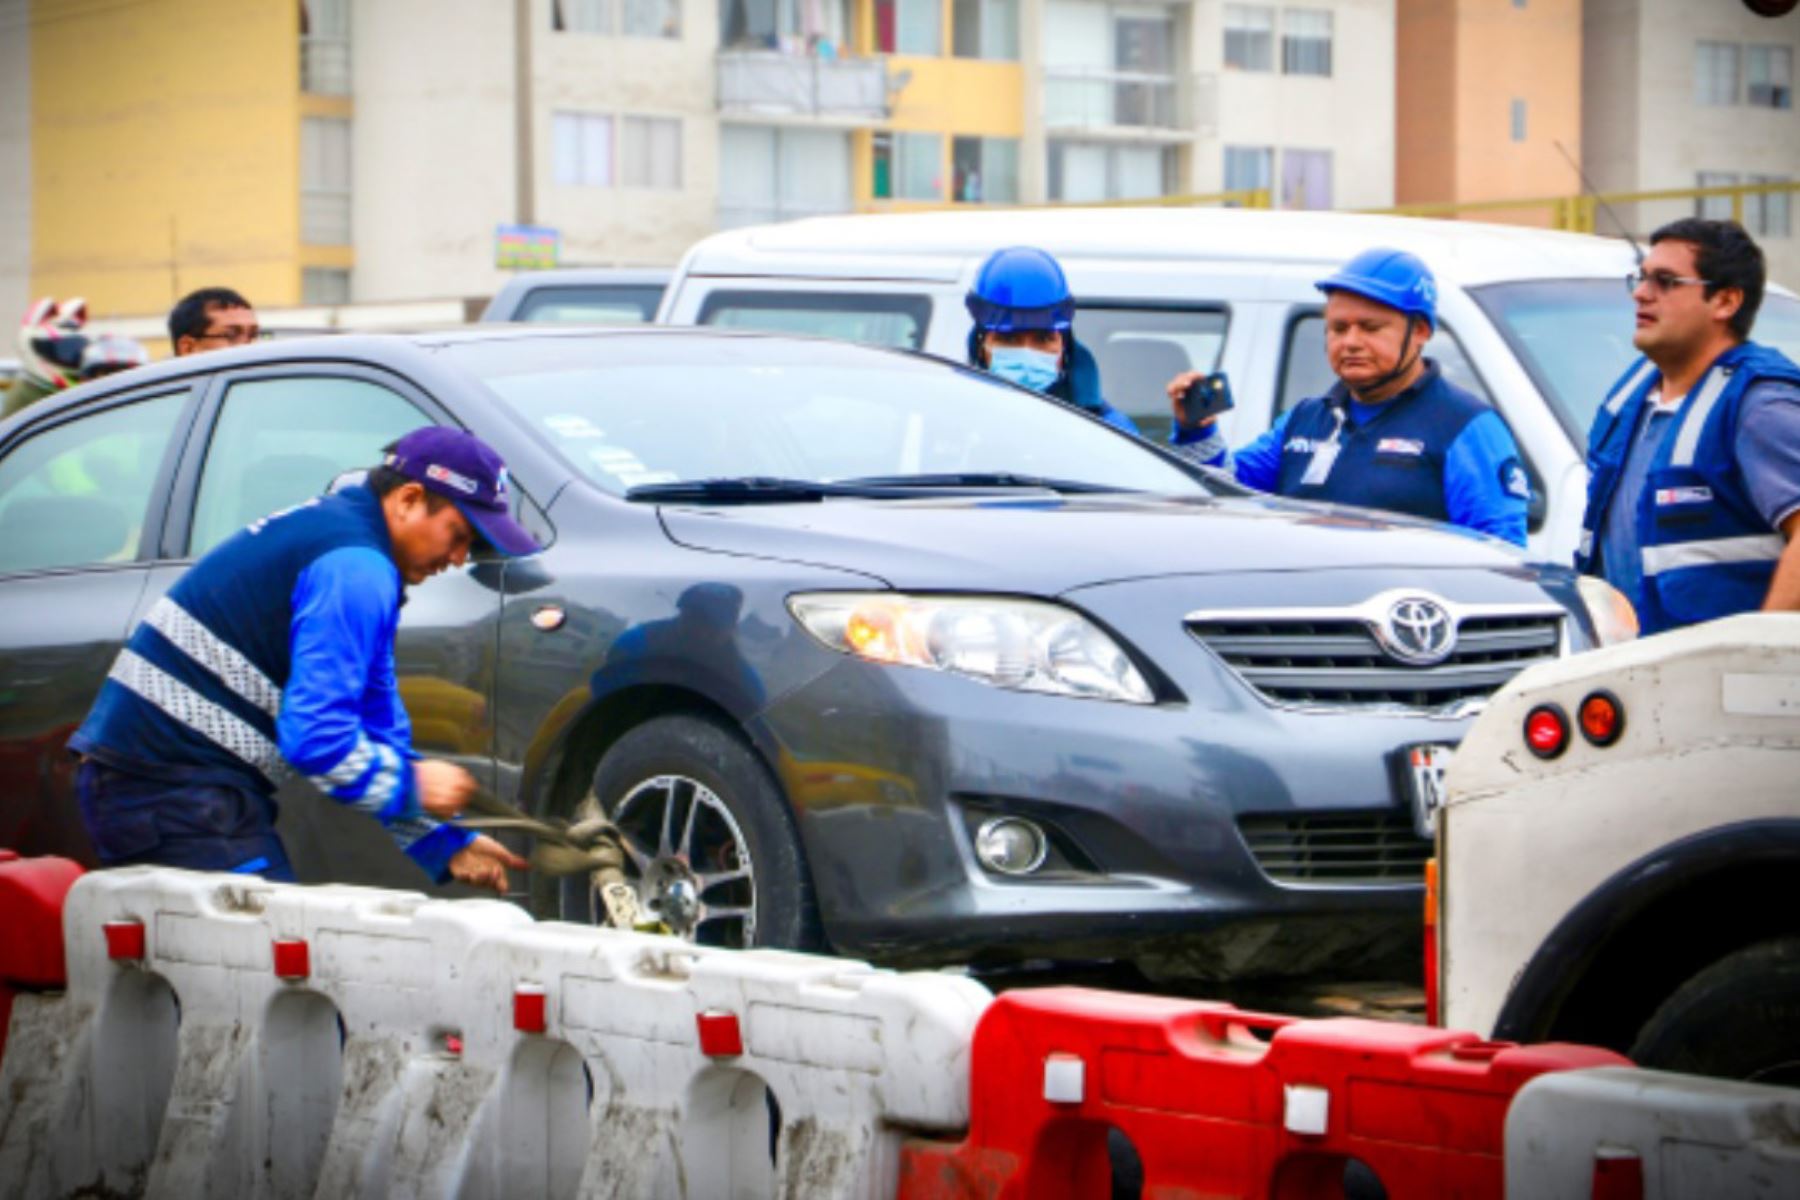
pixel 1588 187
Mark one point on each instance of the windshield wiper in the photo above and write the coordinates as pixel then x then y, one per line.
pixel 757 489
pixel 986 479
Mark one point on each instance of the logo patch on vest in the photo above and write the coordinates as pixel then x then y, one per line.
pixel 1514 481
pixel 1683 495
pixel 1400 446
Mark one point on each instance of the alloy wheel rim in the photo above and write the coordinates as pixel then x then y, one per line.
pixel 687 857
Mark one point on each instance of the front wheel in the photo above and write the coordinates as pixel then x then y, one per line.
pixel 709 844
pixel 1737 1019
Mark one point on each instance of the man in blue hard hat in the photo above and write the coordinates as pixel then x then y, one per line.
pixel 274 654
pixel 1393 433
pixel 1024 317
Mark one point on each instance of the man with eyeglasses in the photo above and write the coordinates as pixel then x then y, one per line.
pixel 1694 458
pixel 213 318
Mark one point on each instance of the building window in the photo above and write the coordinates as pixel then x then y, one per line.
pixel 1768 215
pixel 909 27
pixel 1518 120
pixel 791 26
pixel 986 29
pixel 1305 41
pixel 581 149
pixel 325 47
pixel 324 285
pixel 1086 171
pixel 1715 73
pixel 1249 168
pixel 1714 208
pixel 325 181
pixel 1249 37
pixel 1306 179
pixel 984 170
pixel 1769 76
pixel 1110 67
pixel 581 16
pixel 908 166
pixel 770 174
pixel 650 152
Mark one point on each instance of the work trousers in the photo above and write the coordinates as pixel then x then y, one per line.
pixel 136 820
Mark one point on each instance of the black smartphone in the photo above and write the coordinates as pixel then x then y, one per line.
pixel 1205 398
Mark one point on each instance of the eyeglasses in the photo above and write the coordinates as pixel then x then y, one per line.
pixel 1662 281
pixel 234 337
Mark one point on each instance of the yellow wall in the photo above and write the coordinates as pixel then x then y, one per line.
pixel 968 97
pixel 1461 63
pixel 165 151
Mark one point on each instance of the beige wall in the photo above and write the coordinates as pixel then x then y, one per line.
pixel 1350 114
pixel 1462 64
pixel 432 146
pixel 648 77
pixel 15 167
pixel 1673 137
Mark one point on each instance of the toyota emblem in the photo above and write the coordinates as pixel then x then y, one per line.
pixel 1418 632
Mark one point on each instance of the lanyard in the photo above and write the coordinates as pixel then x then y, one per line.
pixel 1325 456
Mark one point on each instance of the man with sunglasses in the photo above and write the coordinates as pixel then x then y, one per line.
pixel 1694 458
pixel 213 318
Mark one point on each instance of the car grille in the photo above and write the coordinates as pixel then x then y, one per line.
pixel 1339 662
pixel 1367 847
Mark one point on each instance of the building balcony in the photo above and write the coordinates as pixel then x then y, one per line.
pixel 1122 104
pixel 767 85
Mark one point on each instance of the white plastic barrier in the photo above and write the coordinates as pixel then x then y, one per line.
pixel 227 1037
pixel 712 1073
pixel 1616 1131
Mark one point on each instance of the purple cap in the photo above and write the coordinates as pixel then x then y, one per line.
pixel 464 470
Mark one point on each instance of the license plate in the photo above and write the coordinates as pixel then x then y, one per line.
pixel 1423 770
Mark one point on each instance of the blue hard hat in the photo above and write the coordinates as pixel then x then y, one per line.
pixel 1021 287
pixel 1395 278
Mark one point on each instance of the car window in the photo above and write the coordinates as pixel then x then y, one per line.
pixel 78 493
pixel 1139 350
pixel 280 441
pixel 877 320
pixel 630 411
pixel 608 304
pixel 1304 372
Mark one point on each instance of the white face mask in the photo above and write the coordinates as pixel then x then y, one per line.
pixel 1029 368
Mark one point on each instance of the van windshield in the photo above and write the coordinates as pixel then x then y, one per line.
pixel 1574 337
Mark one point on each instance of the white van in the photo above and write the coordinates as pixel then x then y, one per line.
pixel 1539 322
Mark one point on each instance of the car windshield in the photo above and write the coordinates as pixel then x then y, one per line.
pixel 631 411
pixel 1574 336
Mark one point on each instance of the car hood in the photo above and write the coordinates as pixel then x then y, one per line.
pixel 1046 545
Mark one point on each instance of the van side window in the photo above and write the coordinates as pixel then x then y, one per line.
pixel 1140 349
pixel 1304 372
pixel 871 318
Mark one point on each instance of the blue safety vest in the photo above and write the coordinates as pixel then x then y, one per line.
pixel 198 685
pixel 1707 551
pixel 1392 461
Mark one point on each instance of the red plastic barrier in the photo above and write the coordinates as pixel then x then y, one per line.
pixel 1212 1109
pixel 31 935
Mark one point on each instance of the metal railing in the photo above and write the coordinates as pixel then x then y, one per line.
pixel 1579 213
pixel 769 82
pixel 1088 99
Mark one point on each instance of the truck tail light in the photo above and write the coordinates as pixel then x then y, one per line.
pixel 1433 1014
pixel 1547 730
pixel 1602 718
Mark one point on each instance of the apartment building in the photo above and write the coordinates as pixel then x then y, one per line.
pixel 1488 101
pixel 324 151
pixel 1684 95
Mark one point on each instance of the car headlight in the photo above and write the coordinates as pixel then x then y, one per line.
pixel 1614 619
pixel 1026 645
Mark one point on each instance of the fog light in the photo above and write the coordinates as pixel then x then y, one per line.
pixel 1011 845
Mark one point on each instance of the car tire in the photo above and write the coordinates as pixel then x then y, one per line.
pixel 687 762
pixel 1737 1019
